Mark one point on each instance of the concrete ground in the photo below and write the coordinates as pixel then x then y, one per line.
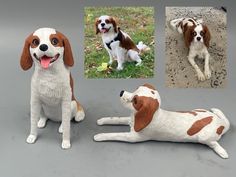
pixel 179 72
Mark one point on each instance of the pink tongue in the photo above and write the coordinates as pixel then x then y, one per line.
pixel 45 61
pixel 104 30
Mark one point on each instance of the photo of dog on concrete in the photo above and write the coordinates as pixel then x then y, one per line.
pixel 195 47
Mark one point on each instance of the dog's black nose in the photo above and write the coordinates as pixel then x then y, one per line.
pixel 43 47
pixel 198 38
pixel 102 24
pixel 121 93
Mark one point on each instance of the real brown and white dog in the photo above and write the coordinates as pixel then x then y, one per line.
pixel 149 122
pixel 52 94
pixel 118 44
pixel 197 39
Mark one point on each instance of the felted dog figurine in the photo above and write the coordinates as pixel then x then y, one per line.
pixel 149 122
pixel 51 84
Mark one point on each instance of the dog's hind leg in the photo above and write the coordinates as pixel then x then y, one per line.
pixel 77 111
pixel 218 149
pixel 114 121
pixel 133 55
pixel 42 120
pixel 131 137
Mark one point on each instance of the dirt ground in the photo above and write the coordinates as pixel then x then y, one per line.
pixel 179 72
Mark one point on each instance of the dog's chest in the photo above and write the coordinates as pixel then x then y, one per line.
pixel 50 90
pixel 198 49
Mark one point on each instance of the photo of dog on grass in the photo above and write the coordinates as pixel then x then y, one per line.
pixel 119 42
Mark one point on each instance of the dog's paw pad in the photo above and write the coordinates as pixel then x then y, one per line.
pixel 65 144
pixel 31 139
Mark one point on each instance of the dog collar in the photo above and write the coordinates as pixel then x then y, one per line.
pixel 117 38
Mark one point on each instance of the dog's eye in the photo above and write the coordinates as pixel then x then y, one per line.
pixel 107 21
pixel 54 41
pixel 134 100
pixel 202 33
pixel 35 42
pixel 99 21
pixel 194 33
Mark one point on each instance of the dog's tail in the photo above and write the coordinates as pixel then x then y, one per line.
pixel 221 115
pixel 142 47
pixel 175 23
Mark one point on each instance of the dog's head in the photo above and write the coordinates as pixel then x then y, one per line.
pixel 105 24
pixel 144 101
pixel 199 33
pixel 45 47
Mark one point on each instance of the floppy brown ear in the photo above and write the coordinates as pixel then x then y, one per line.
pixel 26 61
pixel 149 86
pixel 207 36
pixel 188 35
pixel 96 26
pixel 68 56
pixel 146 107
pixel 113 21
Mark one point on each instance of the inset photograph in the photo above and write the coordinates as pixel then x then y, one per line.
pixel 196 47
pixel 119 42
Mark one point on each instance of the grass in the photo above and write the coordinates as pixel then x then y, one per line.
pixel 138 22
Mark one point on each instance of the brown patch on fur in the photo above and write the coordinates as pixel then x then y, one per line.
pixel 113 21
pixel 189 112
pixel 146 107
pixel 26 60
pixel 79 107
pixel 58 37
pixel 220 130
pixel 68 57
pixel 96 25
pixel 199 125
pixel 200 110
pixel 127 43
pixel 206 36
pixel 72 88
pixel 188 34
pixel 149 86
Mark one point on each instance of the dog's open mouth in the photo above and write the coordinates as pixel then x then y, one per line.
pixel 46 60
pixel 105 30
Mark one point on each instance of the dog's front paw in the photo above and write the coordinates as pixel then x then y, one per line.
pixel 31 139
pixel 138 64
pixel 65 144
pixel 119 68
pixel 100 121
pixel 207 74
pixel 99 137
pixel 201 76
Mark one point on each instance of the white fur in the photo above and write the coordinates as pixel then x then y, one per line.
pixel 166 125
pixel 50 90
pixel 197 48
pixel 116 52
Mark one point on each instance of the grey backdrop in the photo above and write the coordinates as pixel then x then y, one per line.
pixel 87 158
